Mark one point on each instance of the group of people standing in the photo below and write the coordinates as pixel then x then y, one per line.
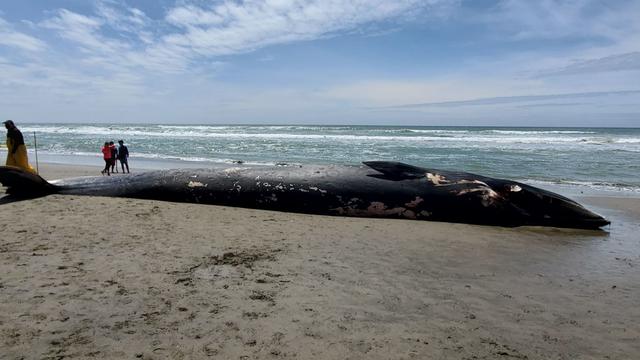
pixel 111 154
pixel 17 152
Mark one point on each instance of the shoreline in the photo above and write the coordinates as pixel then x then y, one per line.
pixel 93 277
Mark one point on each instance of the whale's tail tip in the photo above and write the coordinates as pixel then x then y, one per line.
pixel 24 184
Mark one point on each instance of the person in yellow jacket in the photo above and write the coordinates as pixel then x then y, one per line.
pixel 16 150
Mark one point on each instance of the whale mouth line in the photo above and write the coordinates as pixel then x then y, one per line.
pixel 596 223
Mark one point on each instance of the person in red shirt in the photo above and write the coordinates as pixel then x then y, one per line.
pixel 106 155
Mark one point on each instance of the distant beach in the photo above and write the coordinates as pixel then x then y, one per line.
pixel 91 277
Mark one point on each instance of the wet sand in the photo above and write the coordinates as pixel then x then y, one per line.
pixel 89 277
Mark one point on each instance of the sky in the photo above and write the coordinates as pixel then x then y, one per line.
pixel 379 62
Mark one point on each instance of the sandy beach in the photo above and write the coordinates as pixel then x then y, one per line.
pixel 91 277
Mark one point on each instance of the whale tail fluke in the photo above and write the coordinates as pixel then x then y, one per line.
pixel 22 184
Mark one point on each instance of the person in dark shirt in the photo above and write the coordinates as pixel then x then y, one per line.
pixel 16 149
pixel 123 155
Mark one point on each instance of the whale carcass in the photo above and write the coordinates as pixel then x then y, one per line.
pixel 375 189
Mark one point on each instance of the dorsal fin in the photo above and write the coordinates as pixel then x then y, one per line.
pixel 394 170
pixel 24 183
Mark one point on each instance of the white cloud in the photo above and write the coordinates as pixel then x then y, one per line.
pixel 188 15
pixel 15 39
pixel 109 52
pixel 544 18
pixel 557 19
pixel 555 46
pixel 528 100
pixel 80 29
pixel 617 62
pixel 393 92
pixel 224 28
pixel 123 18
pixel 230 27
pixel 39 78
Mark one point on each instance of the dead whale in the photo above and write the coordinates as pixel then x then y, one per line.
pixel 375 189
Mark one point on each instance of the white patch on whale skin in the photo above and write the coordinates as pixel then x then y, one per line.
pixel 489 196
pixel 436 179
pixel 515 188
pixel 232 171
pixel 489 191
pixel 315 188
pixel 473 182
pixel 236 186
pixel 195 184
pixel 439 180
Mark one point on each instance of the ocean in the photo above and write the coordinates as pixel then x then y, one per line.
pixel 591 158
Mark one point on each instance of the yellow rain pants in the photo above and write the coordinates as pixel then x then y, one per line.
pixel 19 158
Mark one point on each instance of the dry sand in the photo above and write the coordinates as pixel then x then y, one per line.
pixel 88 277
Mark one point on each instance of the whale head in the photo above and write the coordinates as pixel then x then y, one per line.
pixel 492 201
pixel 544 208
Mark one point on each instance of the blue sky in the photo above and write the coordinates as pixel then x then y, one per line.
pixel 401 62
